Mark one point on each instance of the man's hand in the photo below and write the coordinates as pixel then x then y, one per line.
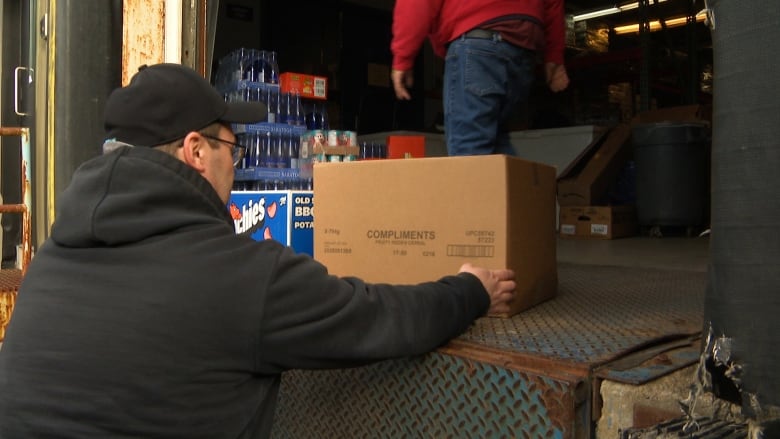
pixel 402 81
pixel 500 285
pixel 557 78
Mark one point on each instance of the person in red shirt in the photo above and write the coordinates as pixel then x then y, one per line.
pixel 491 48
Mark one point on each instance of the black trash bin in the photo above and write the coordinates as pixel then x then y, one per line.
pixel 672 174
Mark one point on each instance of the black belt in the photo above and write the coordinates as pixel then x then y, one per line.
pixel 483 34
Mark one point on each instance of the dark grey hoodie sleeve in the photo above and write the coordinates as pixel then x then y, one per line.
pixel 315 320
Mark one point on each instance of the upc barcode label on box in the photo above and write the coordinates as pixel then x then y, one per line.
pixel 319 87
pixel 568 229
pixel 599 229
pixel 471 251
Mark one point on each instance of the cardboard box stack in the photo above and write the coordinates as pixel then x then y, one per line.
pixel 583 188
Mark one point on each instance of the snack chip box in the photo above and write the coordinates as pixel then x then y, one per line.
pixel 285 216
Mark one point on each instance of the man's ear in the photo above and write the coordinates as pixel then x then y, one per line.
pixel 193 151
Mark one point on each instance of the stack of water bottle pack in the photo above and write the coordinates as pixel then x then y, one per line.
pixel 281 151
pixel 272 160
pixel 272 196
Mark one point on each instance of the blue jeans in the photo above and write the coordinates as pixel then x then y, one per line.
pixel 484 80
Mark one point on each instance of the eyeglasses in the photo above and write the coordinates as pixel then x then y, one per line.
pixel 237 150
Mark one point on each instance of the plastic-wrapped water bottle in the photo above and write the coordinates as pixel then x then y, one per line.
pixel 295 117
pixel 276 158
pixel 262 96
pixel 295 144
pixel 273 105
pixel 305 162
pixel 265 149
pixel 284 108
pixel 251 63
pixel 272 76
pixel 295 114
pixel 262 68
pixel 309 116
pixel 252 142
pixel 243 139
pixel 322 115
pixel 285 160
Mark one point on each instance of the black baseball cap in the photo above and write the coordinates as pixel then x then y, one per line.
pixel 164 102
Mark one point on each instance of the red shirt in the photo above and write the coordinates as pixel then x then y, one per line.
pixel 444 20
pixel 522 33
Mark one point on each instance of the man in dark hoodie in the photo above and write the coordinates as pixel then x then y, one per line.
pixel 145 315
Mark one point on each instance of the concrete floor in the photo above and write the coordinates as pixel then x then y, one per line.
pixel 677 253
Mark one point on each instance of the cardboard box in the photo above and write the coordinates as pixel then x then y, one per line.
pixel 586 181
pixel 600 222
pixel 308 86
pixel 410 221
pixel 285 216
pixel 405 147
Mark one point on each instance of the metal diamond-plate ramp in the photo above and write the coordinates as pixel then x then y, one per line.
pixel 523 377
pixel 434 396
pixel 599 314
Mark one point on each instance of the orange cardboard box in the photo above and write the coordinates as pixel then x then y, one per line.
pixel 405 147
pixel 308 86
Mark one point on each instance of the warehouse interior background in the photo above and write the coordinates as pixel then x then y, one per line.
pixel 615 72
pixel 348 41
pixel 611 67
